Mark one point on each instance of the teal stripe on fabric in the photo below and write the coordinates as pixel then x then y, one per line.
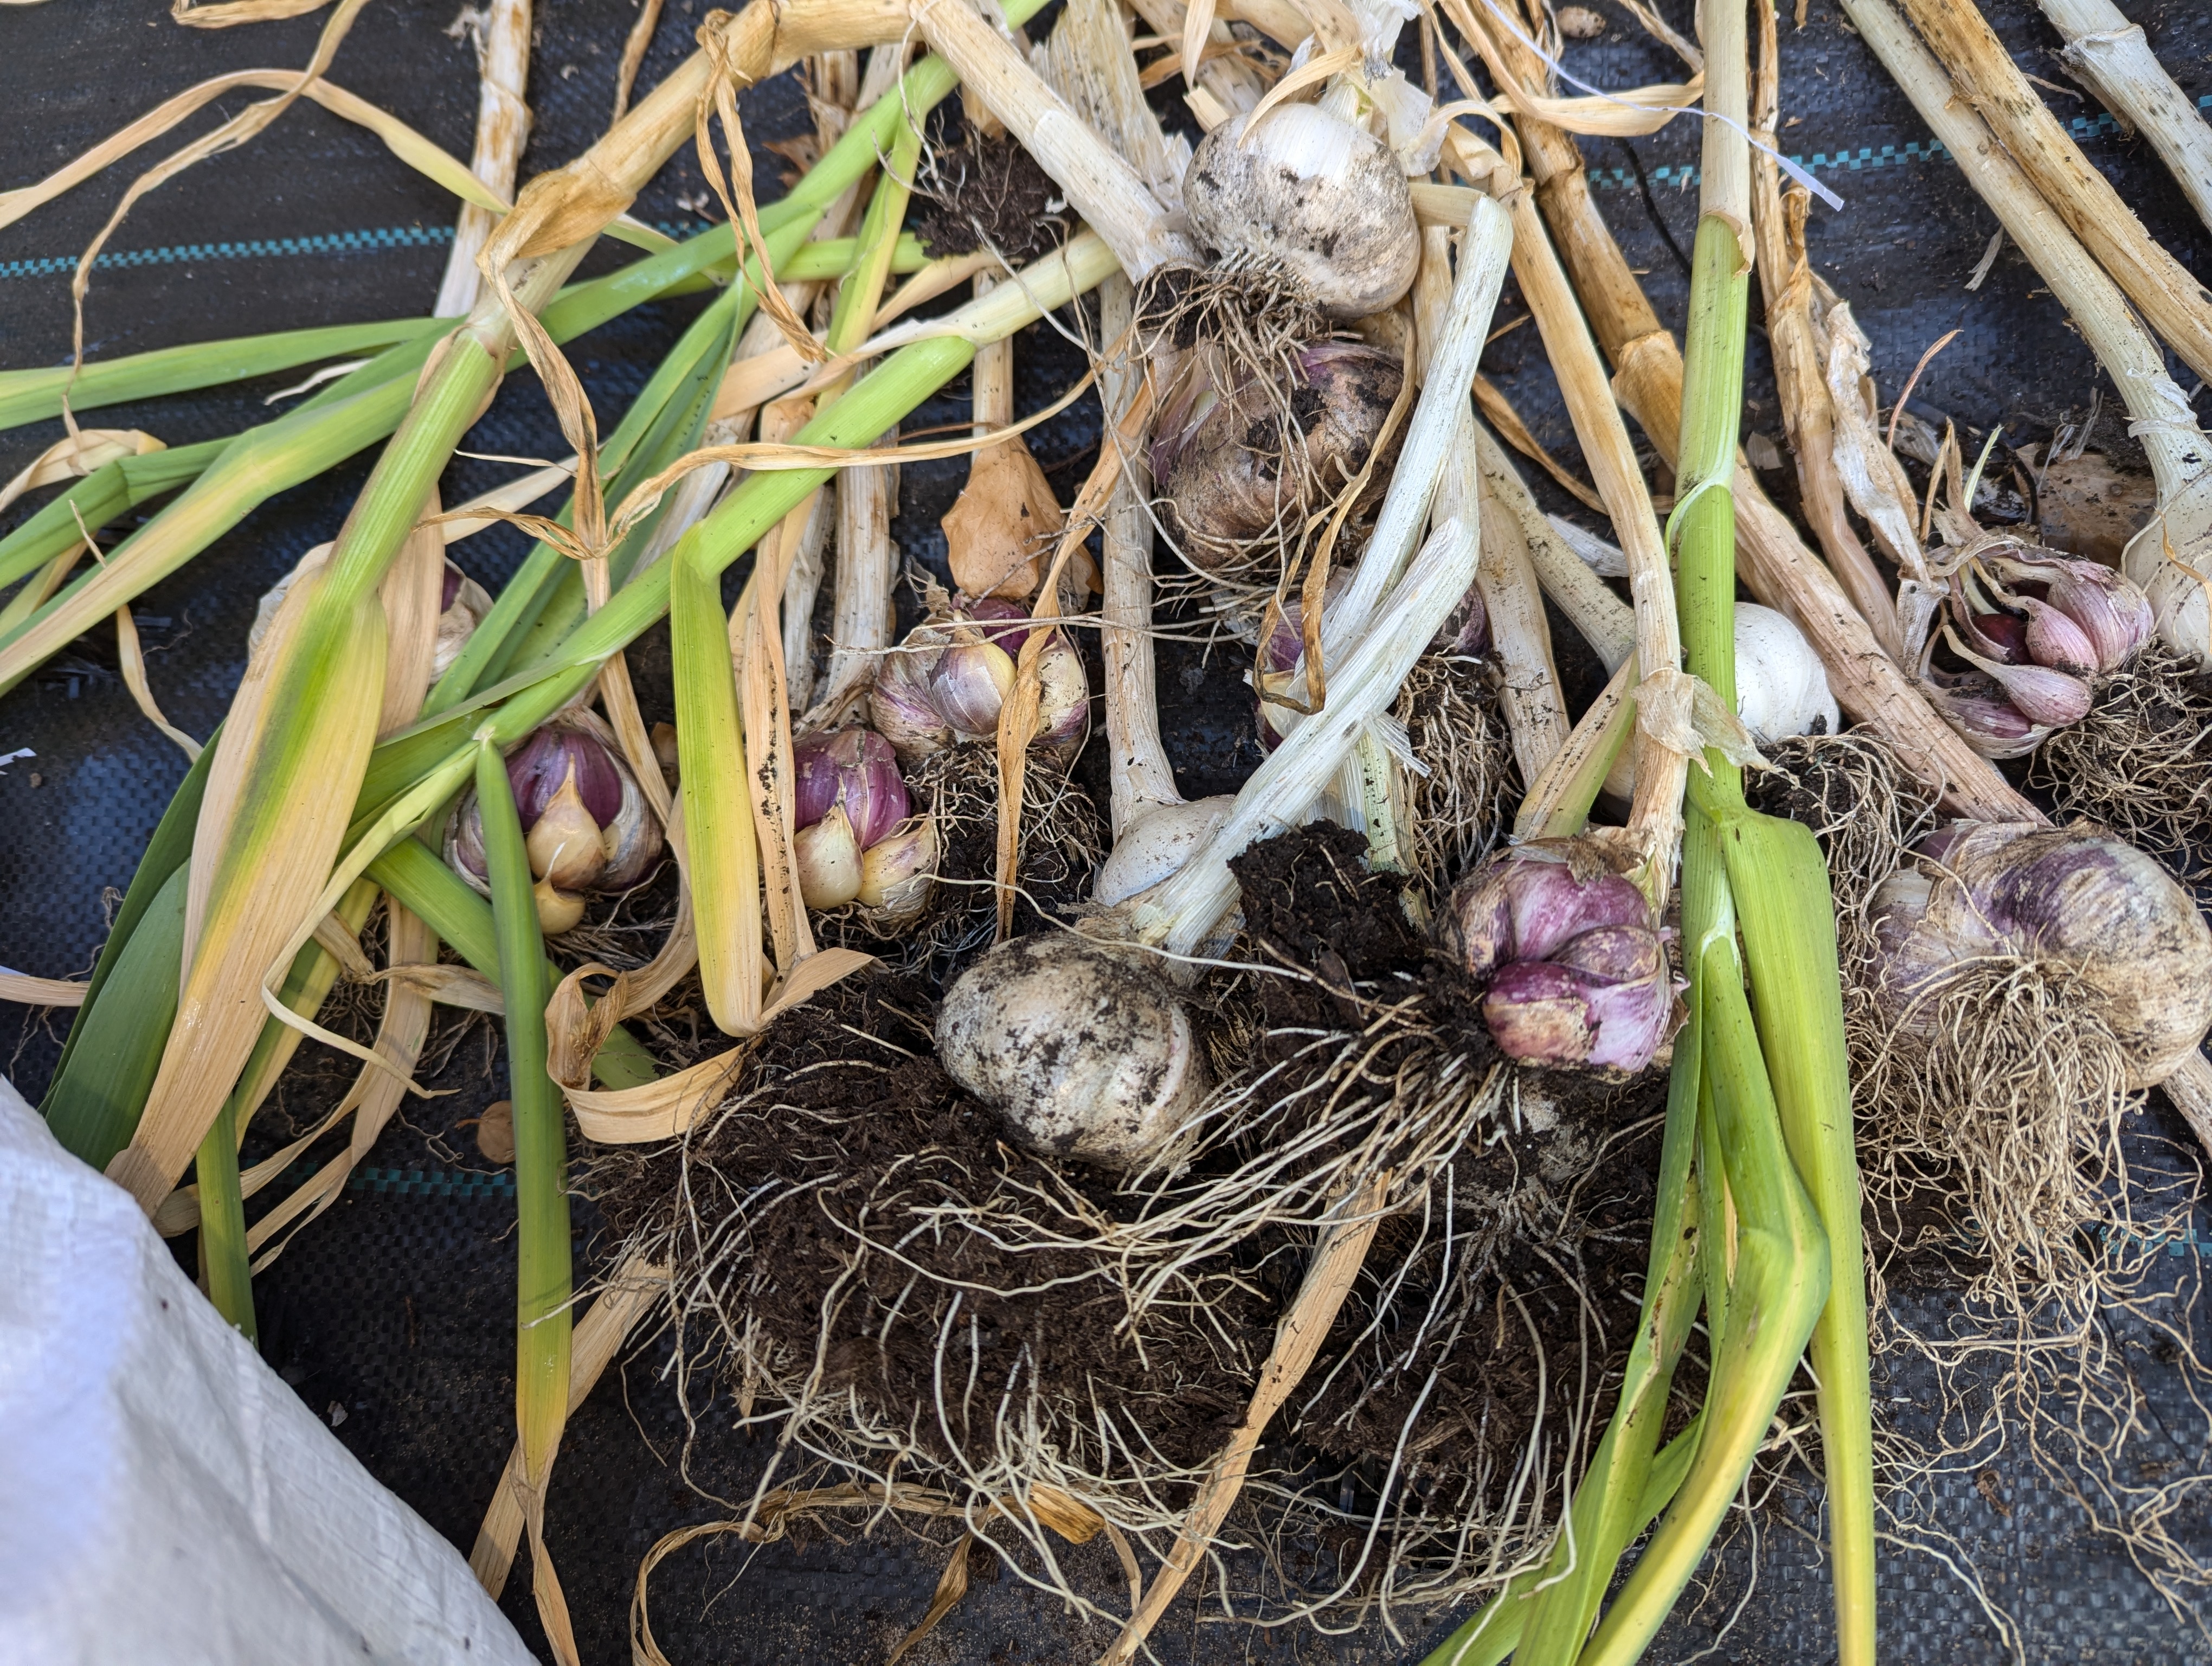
pixel 341 242
pixel 400 237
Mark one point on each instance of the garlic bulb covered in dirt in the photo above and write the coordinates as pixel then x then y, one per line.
pixel 949 680
pixel 1083 1053
pixel 1243 460
pixel 1574 969
pixel 1312 201
pixel 1780 687
pixel 584 820
pixel 2074 897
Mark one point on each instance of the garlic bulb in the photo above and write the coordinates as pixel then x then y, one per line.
pixel 949 680
pixel 585 821
pixel 1238 459
pixel 1315 201
pixel 857 841
pixel 1573 969
pixel 1780 687
pixel 1084 1054
pixel 2074 896
pixel 1156 843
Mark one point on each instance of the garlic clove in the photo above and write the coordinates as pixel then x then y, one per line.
pixel 827 859
pixel 2114 614
pixel 968 686
pixel 2040 695
pixel 2057 641
pixel 1063 698
pixel 632 841
pixel 558 911
pixel 897 871
pixel 1537 1014
pixel 564 841
pixel 1622 973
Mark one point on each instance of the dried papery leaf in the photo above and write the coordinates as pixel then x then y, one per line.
pixel 28 991
pixel 375 1093
pixel 1017 714
pixel 630 1291
pixel 1498 410
pixel 952 1583
pixel 756 649
pixel 412 594
pixel 634 50
pixel 720 101
pixel 269 831
pixel 403 142
pixel 996 529
pixel 231 13
pixel 1197 33
pixel 233 133
pixel 502 126
pixel 1336 1263
pixel 77 454
pixel 134 678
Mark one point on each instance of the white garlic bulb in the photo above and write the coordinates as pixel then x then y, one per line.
pixel 1156 843
pixel 1780 687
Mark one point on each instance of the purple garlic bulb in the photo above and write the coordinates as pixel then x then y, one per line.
pixel 584 820
pixel 1576 972
pixel 949 680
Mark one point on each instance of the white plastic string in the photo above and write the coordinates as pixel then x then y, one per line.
pixel 1795 170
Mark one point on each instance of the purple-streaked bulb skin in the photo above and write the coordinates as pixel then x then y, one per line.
pixel 2057 641
pixel 1537 1014
pixel 968 686
pixel 1576 974
pixel 1465 634
pixel 586 825
pixel 853 768
pixel 540 767
pixel 1004 622
pixel 900 705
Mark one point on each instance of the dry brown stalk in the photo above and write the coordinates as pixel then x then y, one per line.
pixel 502 127
pixel 2173 302
pixel 1336 1263
pixel 1800 368
pixel 1773 562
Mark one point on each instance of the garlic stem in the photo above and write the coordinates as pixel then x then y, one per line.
pixel 1983 74
pixel 2110 54
pixel 502 127
pixel 1434 430
pixel 1607 623
pixel 1520 634
pixel 1089 62
pixel 1136 759
pixel 2180 456
pixel 1182 912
